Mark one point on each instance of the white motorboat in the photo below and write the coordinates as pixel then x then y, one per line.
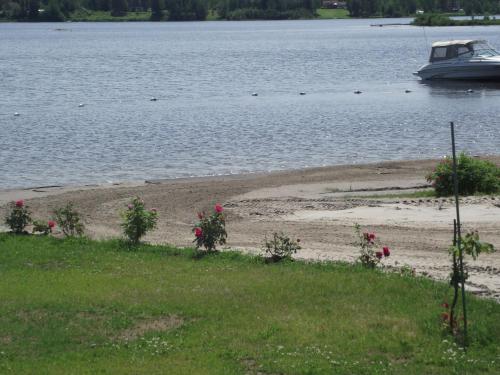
pixel 462 59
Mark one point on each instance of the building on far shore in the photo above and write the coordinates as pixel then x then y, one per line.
pixel 330 4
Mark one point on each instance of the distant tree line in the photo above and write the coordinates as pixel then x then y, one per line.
pixel 59 10
pixel 266 9
pixel 174 10
pixel 190 10
pixel 401 8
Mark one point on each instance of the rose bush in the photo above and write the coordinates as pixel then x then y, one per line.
pixel 43 227
pixel 18 217
pixel 210 230
pixel 369 256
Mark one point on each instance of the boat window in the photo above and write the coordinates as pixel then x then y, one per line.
pixel 463 50
pixel 438 53
pixel 484 50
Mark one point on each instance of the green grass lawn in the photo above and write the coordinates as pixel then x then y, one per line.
pixel 85 307
pixel 328 14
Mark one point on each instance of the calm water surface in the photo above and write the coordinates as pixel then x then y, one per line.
pixel 205 121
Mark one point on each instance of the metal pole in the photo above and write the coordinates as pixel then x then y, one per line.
pixel 454 280
pixel 459 235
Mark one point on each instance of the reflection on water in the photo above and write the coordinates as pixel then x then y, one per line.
pixel 206 121
pixel 461 88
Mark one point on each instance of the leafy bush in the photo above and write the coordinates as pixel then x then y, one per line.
pixel 69 220
pixel 137 221
pixel 474 176
pixel 18 217
pixel 432 19
pixel 43 227
pixel 210 229
pixel 280 247
pixel 471 245
pixel 369 257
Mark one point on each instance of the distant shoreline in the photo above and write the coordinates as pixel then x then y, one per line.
pixel 321 14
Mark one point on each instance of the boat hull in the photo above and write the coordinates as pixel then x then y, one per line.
pixel 469 71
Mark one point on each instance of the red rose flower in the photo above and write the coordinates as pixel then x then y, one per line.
pixel 218 208
pixel 379 254
pixel 198 232
pixel 371 236
pixel 51 224
pixel 445 305
pixel 20 203
pixel 386 250
pixel 445 316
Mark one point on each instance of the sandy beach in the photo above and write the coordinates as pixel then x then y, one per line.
pixel 318 205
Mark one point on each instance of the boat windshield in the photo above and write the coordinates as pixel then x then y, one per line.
pixel 484 50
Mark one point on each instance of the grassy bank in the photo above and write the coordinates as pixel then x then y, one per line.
pixel 86 307
pixel 329 14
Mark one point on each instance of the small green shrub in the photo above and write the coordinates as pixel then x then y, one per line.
pixel 210 229
pixel 137 221
pixel 69 220
pixel 280 247
pixel 474 176
pixel 18 217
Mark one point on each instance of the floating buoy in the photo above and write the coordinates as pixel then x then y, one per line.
pixel 302 93
pixel 153 99
pixel 357 92
pixel 16 114
pixel 407 91
pixel 81 105
pixel 255 94
pixel 470 91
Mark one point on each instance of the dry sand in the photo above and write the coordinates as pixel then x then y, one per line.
pixel 319 206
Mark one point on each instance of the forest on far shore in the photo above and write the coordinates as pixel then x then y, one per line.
pixel 192 10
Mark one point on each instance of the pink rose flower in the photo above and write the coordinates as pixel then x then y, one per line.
pixel 200 215
pixel 130 206
pixel 51 224
pixel 386 250
pixel 20 203
pixel 218 208
pixel 379 254
pixel 198 232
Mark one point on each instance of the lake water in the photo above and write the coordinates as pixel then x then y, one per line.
pixel 205 121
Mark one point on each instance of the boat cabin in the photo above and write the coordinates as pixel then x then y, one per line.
pixel 460 48
pixel 450 50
